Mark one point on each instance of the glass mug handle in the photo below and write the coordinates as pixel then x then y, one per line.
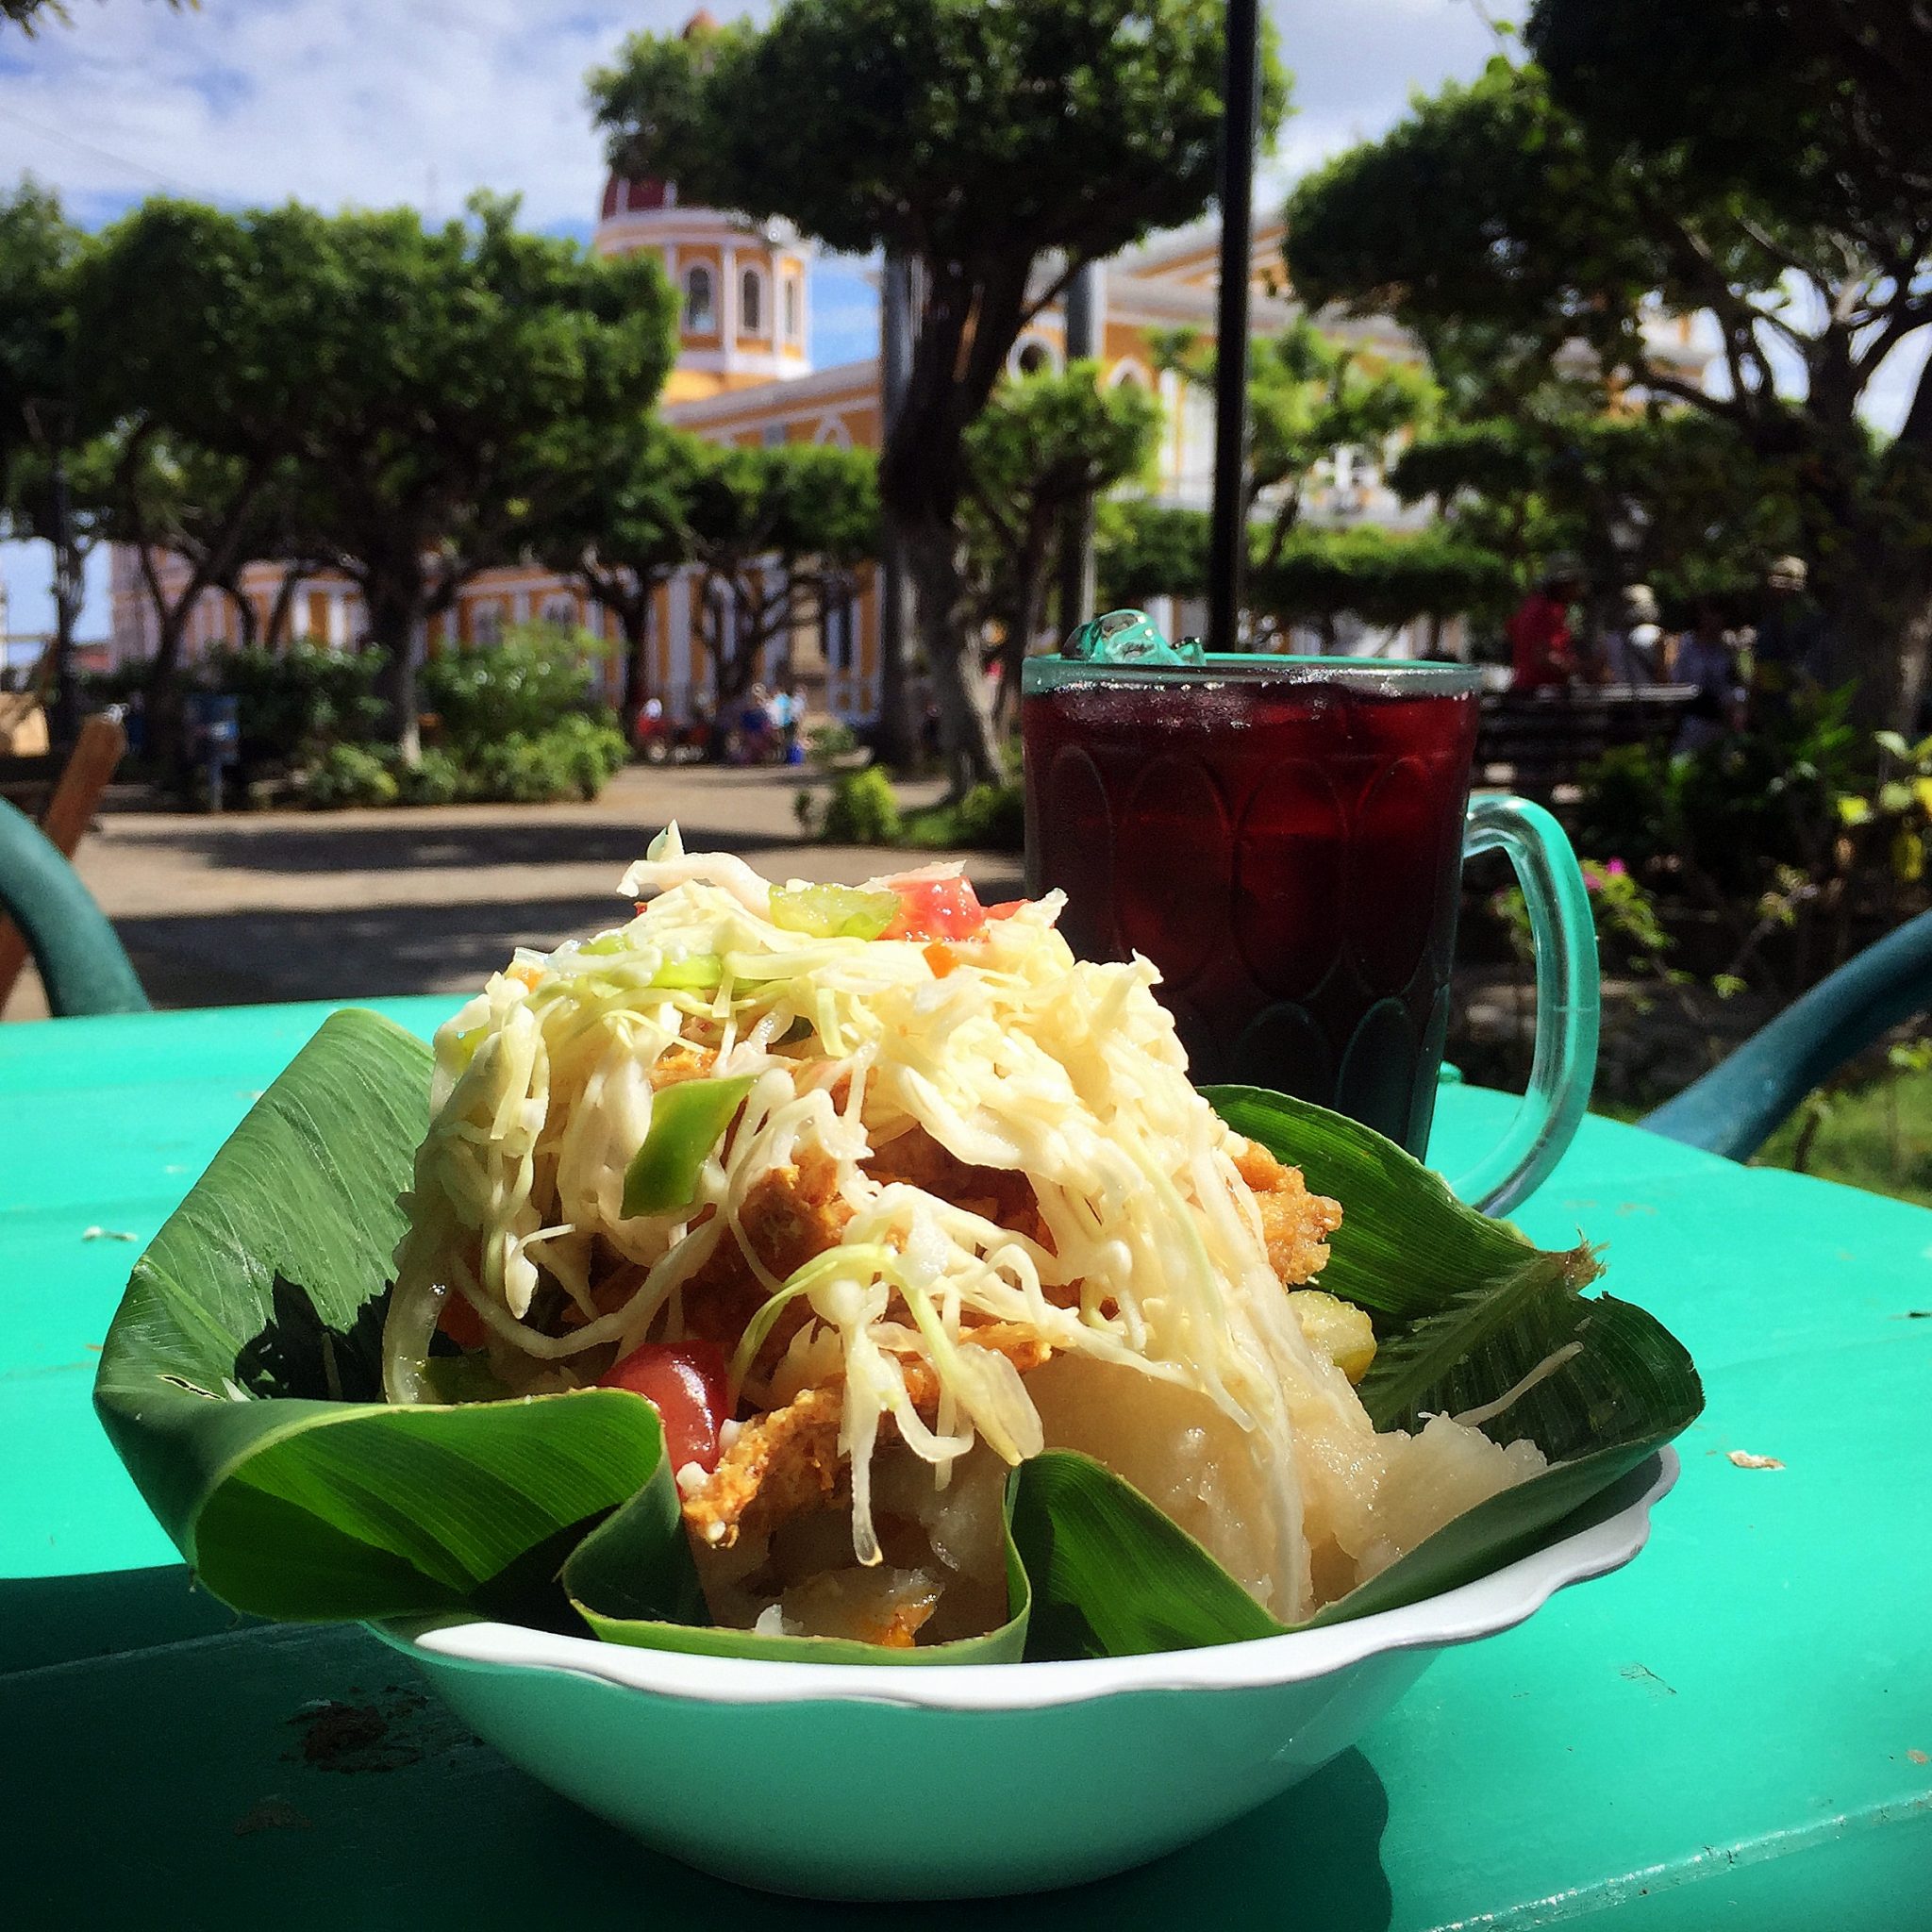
pixel 1567 999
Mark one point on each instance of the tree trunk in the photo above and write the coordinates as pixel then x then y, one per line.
pixel 245 617
pixel 395 602
pixel 966 734
pixel 634 619
pixel 1021 623
pixel 279 611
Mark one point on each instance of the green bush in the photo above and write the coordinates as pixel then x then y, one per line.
pixel 351 774
pixel 574 758
pixel 994 817
pixel 862 810
pixel 825 744
pixel 438 779
pixel 536 678
pixel 293 705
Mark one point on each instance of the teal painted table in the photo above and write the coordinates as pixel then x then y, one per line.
pixel 1735 1730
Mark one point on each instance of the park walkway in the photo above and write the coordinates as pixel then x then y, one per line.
pixel 291 905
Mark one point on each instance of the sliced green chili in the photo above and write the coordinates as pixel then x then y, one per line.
pixel 686 1123
pixel 834 912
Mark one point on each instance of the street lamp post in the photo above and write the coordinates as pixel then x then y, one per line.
pixel 1240 122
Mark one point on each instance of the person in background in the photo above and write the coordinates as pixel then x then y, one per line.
pixel 790 707
pixel 755 724
pixel 1788 652
pixel 1633 647
pixel 1707 658
pixel 1542 644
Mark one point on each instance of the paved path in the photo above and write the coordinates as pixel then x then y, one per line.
pixel 280 906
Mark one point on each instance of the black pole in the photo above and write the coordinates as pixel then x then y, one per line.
pixel 1239 126
pixel 67 593
pixel 1084 331
pixel 895 744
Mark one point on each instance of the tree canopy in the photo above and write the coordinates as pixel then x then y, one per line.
pixel 1045 442
pixel 777 532
pixel 618 510
pixel 1309 394
pixel 1664 162
pixel 999 148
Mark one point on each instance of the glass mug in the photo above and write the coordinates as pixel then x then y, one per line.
pixel 1284 837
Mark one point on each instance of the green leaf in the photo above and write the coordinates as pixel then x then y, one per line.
pixel 686 1123
pixel 231 1376
pixel 1112 1576
pixel 213 1379
pixel 1466 1311
pixel 632 1580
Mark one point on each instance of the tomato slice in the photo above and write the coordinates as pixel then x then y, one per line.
pixel 936 910
pixel 1006 908
pixel 685 1381
pixel 461 1322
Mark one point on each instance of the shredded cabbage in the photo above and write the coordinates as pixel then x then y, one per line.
pixel 1018 1056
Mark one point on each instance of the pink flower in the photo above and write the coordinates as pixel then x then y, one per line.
pixel 1616 868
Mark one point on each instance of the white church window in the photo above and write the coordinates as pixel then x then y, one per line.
pixel 791 322
pixel 750 302
pixel 699 313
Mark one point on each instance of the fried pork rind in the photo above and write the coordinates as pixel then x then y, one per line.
pixel 1294 1223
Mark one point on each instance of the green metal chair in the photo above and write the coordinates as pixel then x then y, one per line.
pixel 81 961
pixel 1733 1109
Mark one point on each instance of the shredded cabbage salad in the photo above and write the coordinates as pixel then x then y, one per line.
pixel 1007 1050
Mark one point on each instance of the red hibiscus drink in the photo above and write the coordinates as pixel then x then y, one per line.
pixel 1282 837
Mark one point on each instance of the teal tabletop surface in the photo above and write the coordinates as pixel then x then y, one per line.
pixel 1735 1730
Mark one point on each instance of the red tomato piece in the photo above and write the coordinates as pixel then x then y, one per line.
pixel 461 1322
pixel 685 1381
pixel 1006 908
pixel 936 910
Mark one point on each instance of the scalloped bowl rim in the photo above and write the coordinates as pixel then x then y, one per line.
pixel 1490 1603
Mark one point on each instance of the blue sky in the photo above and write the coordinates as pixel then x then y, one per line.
pixel 374 102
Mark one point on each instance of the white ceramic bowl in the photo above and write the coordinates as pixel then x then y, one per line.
pixel 959 1780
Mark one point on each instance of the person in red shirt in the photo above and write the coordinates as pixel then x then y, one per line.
pixel 1542 646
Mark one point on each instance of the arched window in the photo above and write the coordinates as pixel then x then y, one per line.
pixel 698 314
pixel 1032 355
pixel 792 330
pixel 750 302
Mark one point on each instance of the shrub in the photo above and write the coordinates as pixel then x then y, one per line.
pixel 536 677
pixel 438 779
pixel 994 817
pixel 862 810
pixel 351 774
pixel 825 744
pixel 573 759
pixel 293 705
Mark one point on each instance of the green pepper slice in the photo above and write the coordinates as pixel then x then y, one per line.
pixel 833 912
pixel 686 1123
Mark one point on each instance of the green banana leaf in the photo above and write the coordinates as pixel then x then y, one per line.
pixel 621 1578
pixel 239 1384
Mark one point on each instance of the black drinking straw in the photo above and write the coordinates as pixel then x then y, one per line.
pixel 1241 119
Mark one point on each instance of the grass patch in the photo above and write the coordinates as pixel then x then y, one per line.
pixel 1877 1135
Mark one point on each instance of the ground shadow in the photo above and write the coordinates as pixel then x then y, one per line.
pixel 61 1620
pixel 345 951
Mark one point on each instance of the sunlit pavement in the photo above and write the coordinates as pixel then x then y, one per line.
pixel 284 905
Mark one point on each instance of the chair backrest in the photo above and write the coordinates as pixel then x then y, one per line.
pixel 68 790
pixel 82 963
pixel 1734 1108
